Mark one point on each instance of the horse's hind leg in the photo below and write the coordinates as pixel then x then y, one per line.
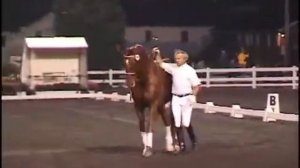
pixel 174 133
pixel 170 128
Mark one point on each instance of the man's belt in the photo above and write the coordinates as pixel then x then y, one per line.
pixel 182 95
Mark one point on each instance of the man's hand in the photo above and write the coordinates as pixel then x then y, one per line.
pixel 196 89
pixel 192 99
pixel 156 50
pixel 158 58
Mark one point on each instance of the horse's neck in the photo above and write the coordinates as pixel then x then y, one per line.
pixel 144 70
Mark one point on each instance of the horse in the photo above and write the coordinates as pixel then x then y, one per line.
pixel 150 88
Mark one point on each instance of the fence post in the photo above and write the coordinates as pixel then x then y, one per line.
pixel 294 69
pixel 207 77
pixel 253 77
pixel 110 77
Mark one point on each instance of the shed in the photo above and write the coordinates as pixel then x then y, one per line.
pixel 51 60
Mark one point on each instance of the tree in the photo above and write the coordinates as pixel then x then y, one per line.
pixel 101 22
pixel 10 69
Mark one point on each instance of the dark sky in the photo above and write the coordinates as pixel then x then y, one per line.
pixel 258 14
pixel 16 13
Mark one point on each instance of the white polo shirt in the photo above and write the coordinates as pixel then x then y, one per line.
pixel 184 77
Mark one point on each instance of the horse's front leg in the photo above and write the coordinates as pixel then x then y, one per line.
pixel 149 120
pixel 165 115
pixel 141 116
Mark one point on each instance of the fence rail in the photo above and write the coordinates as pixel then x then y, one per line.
pixel 230 77
pixel 208 107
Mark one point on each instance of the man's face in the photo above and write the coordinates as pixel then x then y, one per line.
pixel 180 59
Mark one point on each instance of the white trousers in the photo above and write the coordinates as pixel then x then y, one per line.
pixel 182 110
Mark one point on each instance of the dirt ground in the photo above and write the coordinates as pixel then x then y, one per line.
pixel 87 133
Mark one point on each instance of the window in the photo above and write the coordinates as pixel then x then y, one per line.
pixel 184 36
pixel 249 39
pixel 257 40
pixel 148 34
pixel 269 40
pixel 240 39
pixel 3 40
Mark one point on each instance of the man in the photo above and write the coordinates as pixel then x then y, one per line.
pixel 242 58
pixel 184 90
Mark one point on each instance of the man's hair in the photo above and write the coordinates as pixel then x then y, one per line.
pixel 178 51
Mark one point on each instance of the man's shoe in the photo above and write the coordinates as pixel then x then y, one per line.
pixel 194 146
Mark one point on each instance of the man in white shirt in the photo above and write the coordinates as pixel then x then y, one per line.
pixel 184 89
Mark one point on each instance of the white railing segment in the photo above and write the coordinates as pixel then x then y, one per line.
pixel 219 77
pixel 116 97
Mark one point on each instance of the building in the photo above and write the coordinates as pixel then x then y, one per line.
pixel 52 60
pixel 192 39
pixel 293 45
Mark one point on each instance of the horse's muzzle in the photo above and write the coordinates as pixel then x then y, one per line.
pixel 130 81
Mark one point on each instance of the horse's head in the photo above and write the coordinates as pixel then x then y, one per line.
pixel 135 60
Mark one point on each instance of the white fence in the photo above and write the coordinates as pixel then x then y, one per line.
pixel 230 77
pixel 212 78
pixel 266 115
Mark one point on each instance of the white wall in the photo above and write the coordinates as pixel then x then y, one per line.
pixel 60 63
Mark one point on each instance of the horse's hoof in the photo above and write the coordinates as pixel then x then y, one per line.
pixel 169 148
pixel 176 149
pixel 176 152
pixel 147 152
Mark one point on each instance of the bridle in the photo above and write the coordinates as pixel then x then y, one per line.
pixel 132 75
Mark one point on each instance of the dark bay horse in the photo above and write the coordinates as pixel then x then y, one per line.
pixel 150 87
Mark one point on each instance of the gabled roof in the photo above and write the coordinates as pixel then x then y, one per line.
pixel 56 42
